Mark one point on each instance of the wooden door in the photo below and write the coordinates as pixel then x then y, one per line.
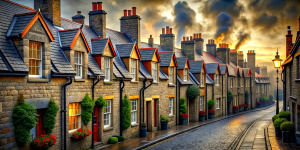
pixel 96 123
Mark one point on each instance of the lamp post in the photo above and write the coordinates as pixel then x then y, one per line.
pixel 277 64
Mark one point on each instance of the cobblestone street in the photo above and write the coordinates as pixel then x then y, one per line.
pixel 218 135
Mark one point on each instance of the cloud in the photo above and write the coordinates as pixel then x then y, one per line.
pixel 265 21
pixel 242 39
pixel 224 24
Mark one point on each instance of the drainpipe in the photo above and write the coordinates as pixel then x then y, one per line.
pixel 142 101
pixel 144 98
pixel 64 110
pixel 177 100
pixel 222 98
pixel 93 96
pixel 206 102
pixel 121 85
pixel 251 92
pixel 284 91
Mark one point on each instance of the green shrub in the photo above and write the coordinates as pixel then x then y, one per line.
pixel 164 119
pixel 263 99
pixel 101 102
pixel 87 106
pixel 229 96
pixel 112 140
pixel 278 122
pixel 24 118
pixel 287 126
pixel 182 107
pixel 120 138
pixel 49 116
pixel 192 92
pixel 284 114
pixel 126 114
pixel 210 104
pixel 246 97
pixel 275 117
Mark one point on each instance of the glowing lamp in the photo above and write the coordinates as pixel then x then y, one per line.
pixel 277 61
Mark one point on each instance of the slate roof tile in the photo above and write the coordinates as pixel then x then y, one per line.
pixel 124 49
pixel 165 58
pixel 66 37
pixel 181 62
pixel 147 54
pixel 99 46
pixel 211 68
pixel 196 66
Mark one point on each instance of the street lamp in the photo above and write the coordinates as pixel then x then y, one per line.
pixel 277 64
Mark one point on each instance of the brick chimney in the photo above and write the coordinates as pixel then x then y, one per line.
pixel 97 19
pixel 150 41
pixel 188 48
pixel 223 53
pixel 211 47
pixel 257 69
pixel 251 66
pixel 167 41
pixel 130 25
pixel 198 43
pixel 245 64
pixel 289 41
pixel 78 18
pixel 264 71
pixel 240 57
pixel 233 57
pixel 50 8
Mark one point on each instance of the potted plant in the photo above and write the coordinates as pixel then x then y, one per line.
pixel 164 122
pixel 182 111
pixel 277 124
pixel 235 108
pixel 245 107
pixel 284 114
pixel 241 107
pixel 211 111
pixel 202 115
pixel 275 117
pixel 43 142
pixel 80 134
pixel 143 131
pixel 258 104
pixel 287 128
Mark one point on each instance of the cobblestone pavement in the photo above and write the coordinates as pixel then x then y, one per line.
pixel 215 136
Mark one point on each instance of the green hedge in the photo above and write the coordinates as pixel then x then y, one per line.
pixel 112 140
pixel 49 116
pixel 229 96
pixel 275 117
pixel 87 105
pixel 164 119
pixel 287 126
pixel 192 92
pixel 278 122
pixel 120 138
pixel 126 113
pixel 210 104
pixel 182 107
pixel 284 114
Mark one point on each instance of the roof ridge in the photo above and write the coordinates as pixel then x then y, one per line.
pixel 28 13
pixel 115 30
pixel 19 5
pixel 74 22
pixel 69 29
pixel 148 48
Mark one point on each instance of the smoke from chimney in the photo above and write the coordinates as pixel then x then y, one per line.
pixel 242 37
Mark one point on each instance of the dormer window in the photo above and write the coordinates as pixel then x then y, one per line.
pixel 154 71
pixel 107 68
pixel 185 75
pixel 133 69
pixel 35 59
pixel 171 76
pixel 78 64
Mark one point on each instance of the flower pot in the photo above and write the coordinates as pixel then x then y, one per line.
pixel 164 125
pixel 286 137
pixel 201 117
pixel 278 132
pixel 234 111
pixel 240 108
pixel 211 116
pixel 245 108
pixel 183 121
pixel 143 132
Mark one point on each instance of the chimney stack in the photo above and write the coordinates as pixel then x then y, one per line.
pixel 97 19
pixel 198 43
pixel 289 41
pixel 167 41
pixel 257 69
pixel 78 18
pixel 150 41
pixel 211 48
pixel 188 48
pixel 234 57
pixel 223 53
pixel 131 26
pixel 50 8
pixel 240 58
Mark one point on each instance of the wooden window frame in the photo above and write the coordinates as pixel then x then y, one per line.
pixel 133 110
pixel 107 69
pixel 109 113
pixel 78 115
pixel 171 106
pixel 78 65
pixel 32 58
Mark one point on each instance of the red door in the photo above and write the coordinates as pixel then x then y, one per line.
pixel 96 134
pixel 155 125
pixel 39 126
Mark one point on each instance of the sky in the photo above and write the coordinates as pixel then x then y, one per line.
pixel 259 25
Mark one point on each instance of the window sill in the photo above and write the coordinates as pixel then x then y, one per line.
pixel 134 124
pixel 79 80
pixel 172 85
pixel 155 82
pixel 108 129
pixel 202 86
pixel 37 80
pixel 217 84
pixel 217 108
pixel 171 116
pixel 297 80
pixel 73 131
pixel 135 82
pixel 108 82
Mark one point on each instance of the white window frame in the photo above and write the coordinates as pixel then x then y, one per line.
pixel 231 82
pixel 107 114
pixel 218 103
pixel 202 79
pixel 217 79
pixel 201 103
pixel 79 116
pixel 185 75
pixel 154 71
pixel 133 69
pixel 35 59
pixel 171 106
pixel 78 64
pixel 133 111
pixel 171 75
pixel 107 68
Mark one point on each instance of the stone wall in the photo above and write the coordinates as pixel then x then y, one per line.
pixel 167 42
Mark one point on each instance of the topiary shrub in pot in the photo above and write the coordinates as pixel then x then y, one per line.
pixel 112 140
pixel 164 122
pixel 202 115
pixel 275 117
pixel 277 124
pixel 182 111
pixel 284 114
pixel 287 131
pixel 126 113
pixel 211 111
pixel 143 132
pixel 234 109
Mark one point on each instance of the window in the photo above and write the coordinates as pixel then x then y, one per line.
pixel 133 69
pixel 74 116
pixel 231 82
pixel 170 106
pixel 35 59
pixel 171 75
pixel 107 68
pixel 133 111
pixel 78 64
pixel 202 79
pixel 154 71
pixel 217 79
pixel 201 103
pixel 185 75
pixel 218 103
pixel 107 114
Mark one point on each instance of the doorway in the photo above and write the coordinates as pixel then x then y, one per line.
pixel 96 123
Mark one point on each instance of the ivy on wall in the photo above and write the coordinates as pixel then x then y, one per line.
pixel 101 102
pixel 49 116
pixel 229 96
pixel 87 105
pixel 126 116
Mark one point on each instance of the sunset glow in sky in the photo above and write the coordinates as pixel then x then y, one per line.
pixel 254 24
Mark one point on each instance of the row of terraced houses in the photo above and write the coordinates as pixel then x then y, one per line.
pixel 44 56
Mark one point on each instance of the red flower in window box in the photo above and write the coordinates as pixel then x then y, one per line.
pixel 202 113
pixel 44 141
pixel 235 107
pixel 259 103
pixel 245 105
pixel 241 105
pixel 81 133
pixel 183 116
pixel 211 111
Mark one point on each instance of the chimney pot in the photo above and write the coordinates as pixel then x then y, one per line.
pixel 78 12
pixel 125 12
pixel 183 38
pixel 99 5
pixel 171 31
pixel 133 10
pixel 94 6
pixel 199 35
pixel 129 12
pixel 187 38
pixel 168 30
pixel 194 35
pixel 163 30
pixel 227 46
pixel 191 38
pixel 213 41
pixel 150 36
